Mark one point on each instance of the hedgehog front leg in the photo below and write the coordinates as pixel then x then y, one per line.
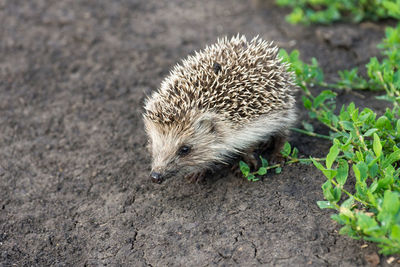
pixel 252 158
pixel 272 147
pixel 276 144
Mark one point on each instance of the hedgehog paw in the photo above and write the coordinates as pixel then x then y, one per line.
pixel 277 145
pixel 252 159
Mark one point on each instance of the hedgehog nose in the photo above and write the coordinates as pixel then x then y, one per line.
pixel 156 177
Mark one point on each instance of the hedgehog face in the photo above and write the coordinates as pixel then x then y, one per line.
pixel 178 150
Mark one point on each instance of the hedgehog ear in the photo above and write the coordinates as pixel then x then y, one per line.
pixel 206 123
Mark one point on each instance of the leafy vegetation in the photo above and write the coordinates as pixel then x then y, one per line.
pixel 365 146
pixel 291 155
pixel 380 74
pixel 327 11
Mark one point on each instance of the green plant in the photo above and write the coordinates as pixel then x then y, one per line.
pixel 287 152
pixel 381 75
pixel 368 145
pixel 365 146
pixel 327 11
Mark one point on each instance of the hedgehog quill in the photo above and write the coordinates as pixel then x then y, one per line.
pixel 220 103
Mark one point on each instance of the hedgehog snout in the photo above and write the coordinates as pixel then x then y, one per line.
pixel 156 177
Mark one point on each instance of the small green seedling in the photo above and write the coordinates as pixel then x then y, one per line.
pixel 290 155
pixel 253 176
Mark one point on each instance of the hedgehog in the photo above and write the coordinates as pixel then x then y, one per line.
pixel 219 104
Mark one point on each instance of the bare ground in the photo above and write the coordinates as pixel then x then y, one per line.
pixel 74 186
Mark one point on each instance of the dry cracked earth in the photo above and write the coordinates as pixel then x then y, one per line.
pixel 74 186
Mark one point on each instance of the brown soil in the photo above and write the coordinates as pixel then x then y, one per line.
pixel 74 186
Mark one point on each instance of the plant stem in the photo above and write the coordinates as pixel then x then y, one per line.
pixel 349 194
pixel 361 138
pixel 312 133
pixel 295 160
pixel 390 92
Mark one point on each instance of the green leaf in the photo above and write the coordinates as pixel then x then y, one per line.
pixel 360 156
pixel 377 146
pixel 347 125
pixel 305 161
pixel 264 162
pixel 351 108
pixel 307 126
pixel 278 170
pixel 345 146
pixel 387 180
pixel 354 115
pixel 252 178
pixel 328 191
pixel 244 168
pixel 342 172
pixel 393 8
pixel 390 208
pixel 371 196
pixel 385 98
pixel 373 170
pixel 262 171
pixel 296 16
pixel 312 114
pixel 348 203
pixel 391 202
pixel 367 114
pixel 363 168
pixel 349 155
pixel 370 159
pixel 332 155
pixel 366 223
pixel 325 205
pixel 373 186
pixel 337 193
pixel 339 218
pixel 347 230
pixel 322 97
pixel 329 173
pixel 361 189
pixel 395 233
pixel 398 127
pixel 370 131
pixel 357 173
pixel 372 66
pixel 295 153
pixel 346 212
pixel 393 157
pixel 318 165
pixel 307 103
pixel 383 123
pixel 286 149
pixel 344 115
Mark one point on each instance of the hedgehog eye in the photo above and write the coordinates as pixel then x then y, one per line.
pixel 217 67
pixel 184 150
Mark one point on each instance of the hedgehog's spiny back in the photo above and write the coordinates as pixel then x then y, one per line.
pixel 238 79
